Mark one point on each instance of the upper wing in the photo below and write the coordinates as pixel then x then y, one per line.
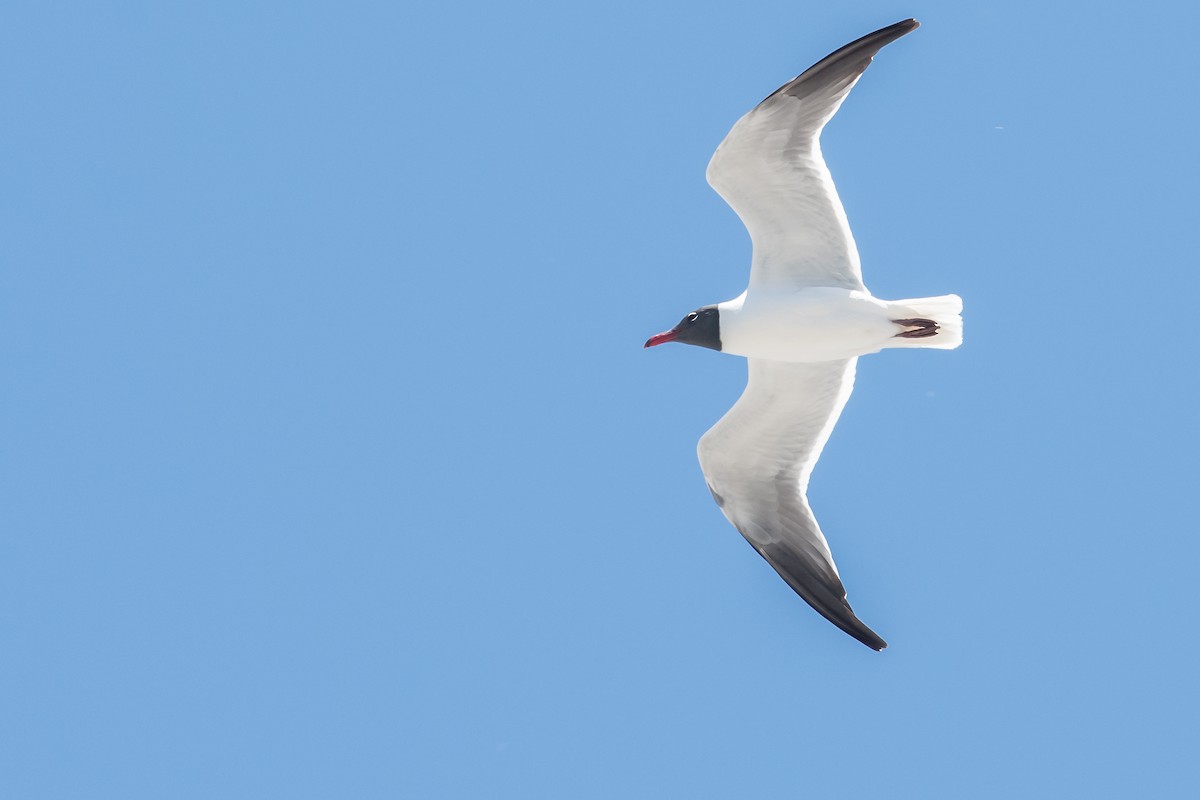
pixel 757 461
pixel 770 170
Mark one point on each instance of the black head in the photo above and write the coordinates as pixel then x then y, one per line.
pixel 702 327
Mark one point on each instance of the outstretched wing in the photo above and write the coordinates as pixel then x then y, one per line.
pixel 757 460
pixel 770 170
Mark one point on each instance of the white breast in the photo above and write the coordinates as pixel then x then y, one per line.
pixel 805 325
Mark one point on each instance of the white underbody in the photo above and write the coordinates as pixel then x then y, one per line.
pixel 825 323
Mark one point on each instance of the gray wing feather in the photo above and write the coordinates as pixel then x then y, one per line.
pixel 757 460
pixel 770 170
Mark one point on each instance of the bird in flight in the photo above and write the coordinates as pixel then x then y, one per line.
pixel 802 323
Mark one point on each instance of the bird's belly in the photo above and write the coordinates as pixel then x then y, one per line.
pixel 820 324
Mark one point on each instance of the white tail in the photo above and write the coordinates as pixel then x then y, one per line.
pixel 945 310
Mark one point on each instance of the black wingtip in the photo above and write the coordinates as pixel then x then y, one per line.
pixel 847 62
pixel 872 641
pixel 867 46
pixel 845 619
pixel 899 28
pixel 840 614
pixel 827 597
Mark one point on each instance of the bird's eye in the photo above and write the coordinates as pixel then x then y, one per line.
pixel 692 317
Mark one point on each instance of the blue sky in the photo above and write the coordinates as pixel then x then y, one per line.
pixel 331 464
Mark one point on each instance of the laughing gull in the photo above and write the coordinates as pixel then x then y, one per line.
pixel 802 323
